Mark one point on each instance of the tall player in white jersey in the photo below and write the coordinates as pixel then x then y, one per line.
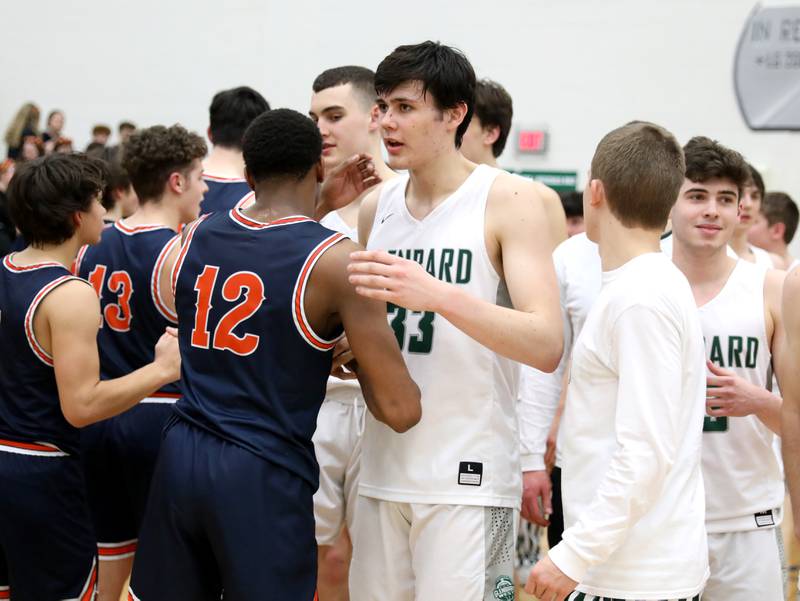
pixel 740 312
pixel 437 511
pixel 749 206
pixel 343 107
pixel 632 485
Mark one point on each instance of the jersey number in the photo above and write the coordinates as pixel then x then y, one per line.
pixel 116 315
pixel 241 284
pixel 422 341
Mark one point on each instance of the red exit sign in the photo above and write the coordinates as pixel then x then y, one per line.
pixel 532 141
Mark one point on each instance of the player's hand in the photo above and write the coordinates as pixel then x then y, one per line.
pixel 382 276
pixel 536 497
pixel 344 364
pixel 730 395
pixel 168 356
pixel 346 182
pixel 548 583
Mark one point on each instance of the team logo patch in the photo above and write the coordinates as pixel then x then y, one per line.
pixel 504 589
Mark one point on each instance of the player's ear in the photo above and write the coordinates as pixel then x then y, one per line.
pixel 208 133
pixel 490 135
pixel 597 193
pixel 374 118
pixel 175 183
pixel 457 114
pixel 777 230
pixel 249 178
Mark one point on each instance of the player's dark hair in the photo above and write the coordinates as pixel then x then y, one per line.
pixel 778 207
pixel 231 112
pixel 755 179
pixel 151 155
pixel 572 201
pixel 360 78
pixel 707 159
pixel 118 179
pixel 443 71
pixel 45 193
pixel 494 108
pixel 281 143
pixel 641 166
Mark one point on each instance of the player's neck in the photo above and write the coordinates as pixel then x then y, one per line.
pixel 739 243
pixel 619 244
pixel 279 199
pixel 155 213
pixel 707 269
pixel 488 158
pixel 63 253
pixel 224 162
pixel 437 179
pixel 114 214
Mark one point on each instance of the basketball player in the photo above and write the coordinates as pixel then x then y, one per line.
pixel 739 305
pixel 261 296
pixel 119 197
pixel 790 385
pixel 126 270
pixel 343 107
pixel 633 490
pixel 774 227
pixel 50 382
pixel 230 113
pixel 749 206
pixel 485 140
pixel 437 509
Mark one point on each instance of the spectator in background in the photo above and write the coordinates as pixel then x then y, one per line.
pixel 52 133
pixel 24 124
pixel 119 197
pixel 774 227
pixel 572 202
pixel 97 147
pixel 7 230
pixel 32 148
pixel 63 146
pixel 125 129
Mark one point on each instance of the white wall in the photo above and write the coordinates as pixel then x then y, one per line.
pixel 581 67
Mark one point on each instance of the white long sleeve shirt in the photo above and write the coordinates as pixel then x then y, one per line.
pixel 634 504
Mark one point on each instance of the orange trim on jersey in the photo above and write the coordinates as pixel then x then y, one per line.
pixel 115 550
pixel 243 200
pixel 89 589
pixel 19 268
pixel 39 447
pixel 237 215
pixel 127 229
pixel 45 357
pixel 164 395
pixel 187 240
pixel 298 310
pixel 219 178
pixel 155 284
pixel 76 265
pixel 5 593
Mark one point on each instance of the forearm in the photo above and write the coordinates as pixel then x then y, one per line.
pixel 526 337
pixel 107 398
pixel 769 411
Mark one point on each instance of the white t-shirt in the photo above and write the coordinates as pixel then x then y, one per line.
pixel 578 269
pixel 634 507
pixel 465 449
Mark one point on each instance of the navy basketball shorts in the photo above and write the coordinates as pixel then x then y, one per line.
pixel 119 456
pixel 219 518
pixel 47 543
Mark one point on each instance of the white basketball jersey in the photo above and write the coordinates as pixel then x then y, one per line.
pixel 342 391
pixel 740 468
pixel 465 449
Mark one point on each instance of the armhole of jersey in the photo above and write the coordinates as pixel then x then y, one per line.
pixel 76 265
pixel 176 269
pixel 155 282
pixel 298 298
pixel 37 348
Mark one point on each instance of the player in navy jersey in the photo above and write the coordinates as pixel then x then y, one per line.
pixel 127 271
pixel 230 113
pixel 262 296
pixel 50 382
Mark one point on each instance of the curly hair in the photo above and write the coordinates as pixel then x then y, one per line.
pixel 151 155
pixel 45 193
pixel 281 143
pixel 707 159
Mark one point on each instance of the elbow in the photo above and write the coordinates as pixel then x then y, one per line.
pixel 77 418
pixel 403 412
pixel 548 356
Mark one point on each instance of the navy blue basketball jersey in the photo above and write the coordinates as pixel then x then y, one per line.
pixel 253 369
pixel 224 193
pixel 124 269
pixel 31 421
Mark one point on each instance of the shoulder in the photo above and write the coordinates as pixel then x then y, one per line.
pixel 74 299
pixel 774 281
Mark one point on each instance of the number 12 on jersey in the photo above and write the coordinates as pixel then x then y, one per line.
pixel 240 284
pixel 422 341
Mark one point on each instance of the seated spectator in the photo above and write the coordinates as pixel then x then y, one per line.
pixel 24 124
pixel 7 230
pixel 573 209
pixel 52 133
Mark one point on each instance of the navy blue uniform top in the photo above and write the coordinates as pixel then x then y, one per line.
pixel 30 411
pixel 123 269
pixel 223 193
pixel 253 370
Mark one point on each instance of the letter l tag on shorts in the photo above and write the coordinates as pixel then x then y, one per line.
pixel 470 473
